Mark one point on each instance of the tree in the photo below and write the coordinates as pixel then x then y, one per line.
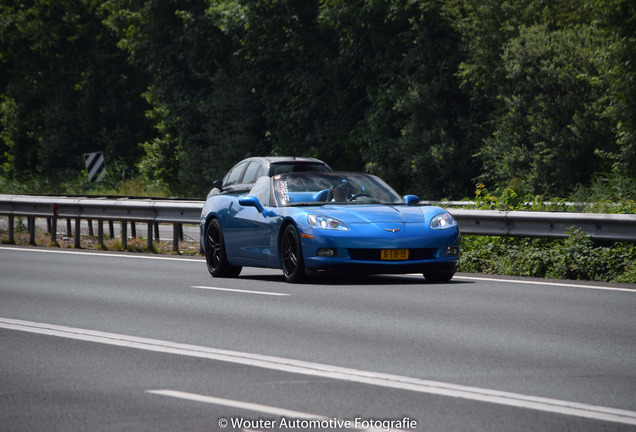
pixel 291 56
pixel 204 112
pixel 66 89
pixel 552 121
pixel 399 58
pixel 359 84
pixel 617 18
pixel 535 72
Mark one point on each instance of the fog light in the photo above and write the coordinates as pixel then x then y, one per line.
pixel 452 251
pixel 327 252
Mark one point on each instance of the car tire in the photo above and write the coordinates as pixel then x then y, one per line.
pixel 215 254
pixel 437 277
pixel 291 255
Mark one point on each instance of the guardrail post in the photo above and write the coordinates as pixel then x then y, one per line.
pixel 133 229
pixel 11 234
pixel 111 229
pixel 52 224
pixel 156 224
pixel 90 228
pixel 78 233
pixel 150 225
pixel 31 225
pixel 53 229
pixel 100 232
pixel 68 227
pixel 176 228
pixel 124 235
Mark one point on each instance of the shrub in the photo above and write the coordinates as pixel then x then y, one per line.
pixel 576 257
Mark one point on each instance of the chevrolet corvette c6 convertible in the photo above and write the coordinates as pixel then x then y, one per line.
pixel 310 222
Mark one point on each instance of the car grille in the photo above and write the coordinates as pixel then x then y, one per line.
pixel 374 254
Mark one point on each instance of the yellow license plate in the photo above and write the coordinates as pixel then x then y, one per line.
pixel 394 254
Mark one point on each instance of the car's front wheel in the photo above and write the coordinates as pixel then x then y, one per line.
pixel 215 254
pixel 291 255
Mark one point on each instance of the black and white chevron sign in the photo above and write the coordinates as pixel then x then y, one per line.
pixel 95 166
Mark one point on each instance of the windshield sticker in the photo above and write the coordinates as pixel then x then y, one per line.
pixel 284 192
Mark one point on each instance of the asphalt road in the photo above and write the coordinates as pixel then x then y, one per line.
pixel 99 341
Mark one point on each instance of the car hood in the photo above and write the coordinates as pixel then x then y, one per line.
pixel 380 214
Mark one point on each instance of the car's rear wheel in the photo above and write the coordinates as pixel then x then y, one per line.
pixel 291 255
pixel 215 254
pixel 437 277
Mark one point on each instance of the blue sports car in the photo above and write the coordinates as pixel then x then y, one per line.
pixel 326 221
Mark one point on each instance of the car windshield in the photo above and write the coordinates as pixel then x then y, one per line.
pixel 321 188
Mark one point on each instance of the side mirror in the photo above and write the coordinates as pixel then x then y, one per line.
pixel 411 200
pixel 218 184
pixel 251 201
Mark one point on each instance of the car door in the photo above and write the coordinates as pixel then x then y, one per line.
pixel 249 231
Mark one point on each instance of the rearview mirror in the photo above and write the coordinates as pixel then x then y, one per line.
pixel 411 200
pixel 251 201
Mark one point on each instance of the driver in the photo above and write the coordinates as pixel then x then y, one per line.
pixel 341 191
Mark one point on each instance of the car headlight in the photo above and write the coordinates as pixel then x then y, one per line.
pixel 443 221
pixel 324 222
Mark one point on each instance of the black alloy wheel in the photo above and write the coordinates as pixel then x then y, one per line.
pixel 215 255
pixel 292 256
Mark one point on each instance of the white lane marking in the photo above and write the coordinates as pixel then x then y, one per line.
pixel 236 404
pixel 331 372
pixel 265 409
pixel 102 254
pixel 240 291
pixel 559 284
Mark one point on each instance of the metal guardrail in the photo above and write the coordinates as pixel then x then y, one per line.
pixel 610 227
pixel 123 210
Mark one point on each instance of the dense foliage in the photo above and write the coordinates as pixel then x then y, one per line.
pixel 577 257
pixel 532 96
